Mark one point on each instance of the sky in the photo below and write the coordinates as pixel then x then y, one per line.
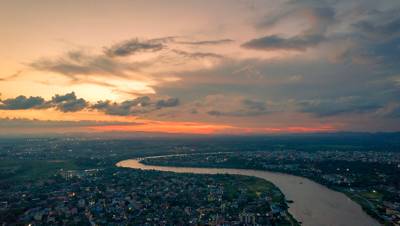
pixel 199 67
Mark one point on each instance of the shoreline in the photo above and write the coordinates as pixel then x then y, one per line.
pixel 247 172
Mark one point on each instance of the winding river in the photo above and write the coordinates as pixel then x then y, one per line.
pixel 313 204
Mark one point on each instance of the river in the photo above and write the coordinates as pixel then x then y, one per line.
pixel 313 204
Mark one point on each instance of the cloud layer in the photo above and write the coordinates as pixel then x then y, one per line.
pixel 133 46
pixel 257 64
pixel 70 103
pixel 137 106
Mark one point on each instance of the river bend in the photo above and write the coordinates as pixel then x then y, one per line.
pixel 313 204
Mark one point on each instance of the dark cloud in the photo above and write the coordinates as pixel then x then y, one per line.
pixel 68 102
pixel 261 78
pixel 344 105
pixel 207 42
pixel 273 42
pixel 378 28
pixel 136 106
pixel 376 40
pixel 253 105
pixel 65 103
pixel 128 107
pixel 247 107
pixel 133 46
pixel 197 55
pixel 171 102
pixel 64 98
pixel 21 102
pixel 165 39
pixel 319 20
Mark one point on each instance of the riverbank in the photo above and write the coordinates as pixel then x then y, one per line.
pixel 365 206
pixel 314 204
pixel 352 180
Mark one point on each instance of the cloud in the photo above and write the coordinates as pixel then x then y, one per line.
pixel 134 46
pixel 21 102
pixel 197 55
pixel 171 102
pixel 273 42
pixel 246 109
pixel 137 106
pixel 76 63
pixel 380 27
pixel 82 66
pixel 207 42
pixel 230 105
pixel 334 107
pixel 318 18
pixel 307 85
pixel 34 123
pixel 65 103
pixel 128 107
pixel 68 102
pixel 10 77
pixel 376 38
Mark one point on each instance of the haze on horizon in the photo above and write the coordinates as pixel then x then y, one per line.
pixel 199 67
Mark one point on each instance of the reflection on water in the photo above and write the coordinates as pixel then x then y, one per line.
pixel 314 204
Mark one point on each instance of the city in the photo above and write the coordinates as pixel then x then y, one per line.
pixel 370 178
pixel 108 195
pixel 76 181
